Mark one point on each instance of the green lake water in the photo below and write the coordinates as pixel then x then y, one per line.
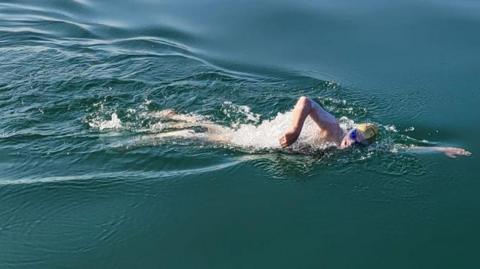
pixel 89 177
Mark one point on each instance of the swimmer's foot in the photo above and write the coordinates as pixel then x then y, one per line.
pixel 288 138
pixel 454 152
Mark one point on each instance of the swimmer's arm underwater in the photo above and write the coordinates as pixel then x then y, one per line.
pixel 451 152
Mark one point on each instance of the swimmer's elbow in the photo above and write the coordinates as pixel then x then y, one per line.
pixel 304 101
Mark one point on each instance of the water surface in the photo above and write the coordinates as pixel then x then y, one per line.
pixel 89 180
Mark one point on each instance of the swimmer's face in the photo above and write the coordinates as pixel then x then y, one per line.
pixel 352 137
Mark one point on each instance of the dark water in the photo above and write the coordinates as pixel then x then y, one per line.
pixel 87 181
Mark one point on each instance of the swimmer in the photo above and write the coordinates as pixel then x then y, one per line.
pixel 330 130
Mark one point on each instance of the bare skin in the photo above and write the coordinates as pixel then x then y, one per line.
pixel 331 131
pixel 451 152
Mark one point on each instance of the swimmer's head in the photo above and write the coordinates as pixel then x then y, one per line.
pixel 363 134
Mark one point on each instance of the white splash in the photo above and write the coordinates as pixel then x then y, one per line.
pixel 391 128
pixel 113 123
pixel 265 135
pixel 239 112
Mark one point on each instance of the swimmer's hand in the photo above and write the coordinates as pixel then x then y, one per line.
pixel 453 152
pixel 288 138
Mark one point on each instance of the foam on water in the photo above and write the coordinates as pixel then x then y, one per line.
pixel 266 134
pixel 237 113
pixel 113 123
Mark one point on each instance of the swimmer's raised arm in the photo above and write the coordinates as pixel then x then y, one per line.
pixel 301 111
pixel 451 152
pixel 325 121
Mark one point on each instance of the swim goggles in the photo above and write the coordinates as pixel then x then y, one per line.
pixel 353 135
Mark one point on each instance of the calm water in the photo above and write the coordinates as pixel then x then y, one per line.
pixel 90 178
